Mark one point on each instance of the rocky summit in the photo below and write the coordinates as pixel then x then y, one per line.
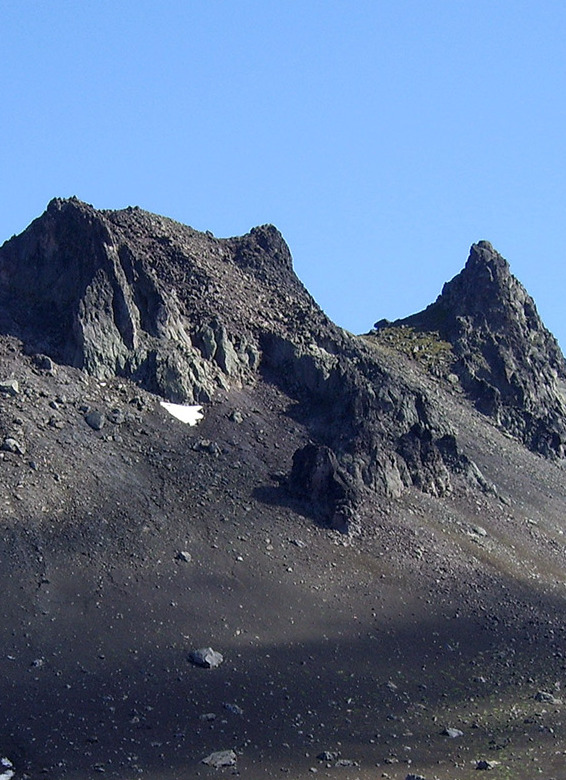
pixel 506 360
pixel 237 539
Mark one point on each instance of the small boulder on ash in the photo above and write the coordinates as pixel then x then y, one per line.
pixel 220 758
pixel 206 657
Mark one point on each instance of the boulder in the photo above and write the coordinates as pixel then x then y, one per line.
pixel 220 759
pixel 206 657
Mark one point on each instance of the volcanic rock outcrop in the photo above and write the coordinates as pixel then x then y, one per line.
pixel 184 314
pixel 507 361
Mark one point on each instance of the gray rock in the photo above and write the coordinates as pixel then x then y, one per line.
pixel 95 419
pixel 329 755
pixel 236 417
pixel 226 356
pixel 205 445
pixel 43 362
pixel 415 777
pixel 206 341
pixel 233 708
pixel 206 657
pixel 547 698
pixel 117 417
pixel 13 445
pixel 506 360
pixel 208 717
pixel 452 733
pixel 318 477
pixel 184 555
pixel 483 764
pixel 220 758
pixel 9 386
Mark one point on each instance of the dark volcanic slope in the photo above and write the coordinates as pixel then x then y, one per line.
pixel 129 539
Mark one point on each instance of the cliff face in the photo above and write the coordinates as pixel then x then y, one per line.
pixel 507 361
pixel 185 315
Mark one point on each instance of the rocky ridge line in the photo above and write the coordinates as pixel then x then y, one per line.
pixel 184 314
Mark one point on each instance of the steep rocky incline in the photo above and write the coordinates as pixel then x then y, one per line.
pixel 507 361
pixel 185 315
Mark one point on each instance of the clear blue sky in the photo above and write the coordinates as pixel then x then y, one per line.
pixel 382 137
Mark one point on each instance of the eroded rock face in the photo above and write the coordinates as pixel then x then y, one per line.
pixel 87 288
pixel 507 361
pixel 184 314
pixel 317 477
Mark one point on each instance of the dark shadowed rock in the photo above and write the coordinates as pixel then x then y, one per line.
pixel 317 478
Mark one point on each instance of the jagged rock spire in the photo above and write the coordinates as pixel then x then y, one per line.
pixel 507 361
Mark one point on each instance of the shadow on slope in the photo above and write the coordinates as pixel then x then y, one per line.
pixel 96 675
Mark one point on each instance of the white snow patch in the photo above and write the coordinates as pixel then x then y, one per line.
pixel 8 769
pixel 190 415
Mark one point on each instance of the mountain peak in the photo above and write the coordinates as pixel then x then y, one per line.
pixel 506 360
pixel 484 256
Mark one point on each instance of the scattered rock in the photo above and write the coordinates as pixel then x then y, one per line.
pixel 329 755
pixel 452 733
pixel 415 777
pixel 483 764
pixel 220 758
pixel 205 445
pixel 208 717
pixel 547 698
pixel 13 445
pixel 185 556
pixel 117 417
pixel 236 417
pixel 95 419
pixel 9 386
pixel 233 708
pixel 206 657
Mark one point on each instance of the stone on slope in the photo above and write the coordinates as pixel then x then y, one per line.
pixel 220 759
pixel 206 657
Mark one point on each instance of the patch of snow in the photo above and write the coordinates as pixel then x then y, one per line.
pixel 190 415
